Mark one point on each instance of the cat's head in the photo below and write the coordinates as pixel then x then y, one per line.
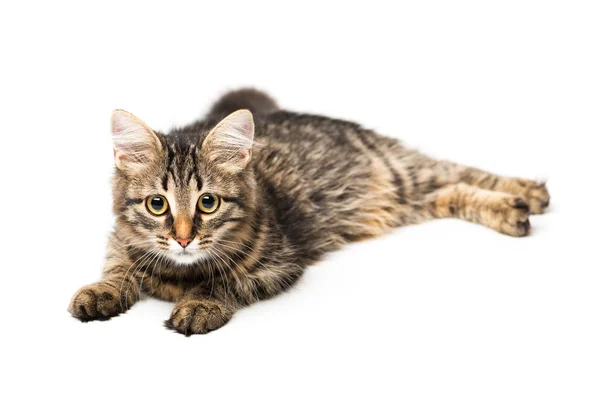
pixel 183 195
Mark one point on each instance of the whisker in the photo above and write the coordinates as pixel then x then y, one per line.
pixel 224 272
pixel 250 255
pixel 239 283
pixel 153 257
pixel 123 281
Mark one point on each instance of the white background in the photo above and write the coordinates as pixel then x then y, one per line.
pixel 438 314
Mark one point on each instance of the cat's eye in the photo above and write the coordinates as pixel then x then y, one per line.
pixel 157 205
pixel 208 203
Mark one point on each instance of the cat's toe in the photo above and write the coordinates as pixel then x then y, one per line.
pixel 512 217
pixel 198 317
pixel 536 194
pixel 519 203
pixel 95 302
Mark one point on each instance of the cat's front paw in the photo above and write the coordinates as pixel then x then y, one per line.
pixel 198 316
pixel 96 302
pixel 535 194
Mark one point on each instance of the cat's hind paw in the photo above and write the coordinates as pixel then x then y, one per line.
pixel 509 215
pixel 535 194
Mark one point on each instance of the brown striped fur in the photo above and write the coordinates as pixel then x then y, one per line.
pixel 312 184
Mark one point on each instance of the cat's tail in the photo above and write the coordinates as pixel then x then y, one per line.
pixel 259 103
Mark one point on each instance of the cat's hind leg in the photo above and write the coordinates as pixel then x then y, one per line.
pixel 534 193
pixel 423 175
pixel 503 212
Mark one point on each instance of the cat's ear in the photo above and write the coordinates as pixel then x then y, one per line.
pixel 134 143
pixel 229 144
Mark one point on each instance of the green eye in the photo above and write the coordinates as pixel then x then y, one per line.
pixel 208 203
pixel 157 204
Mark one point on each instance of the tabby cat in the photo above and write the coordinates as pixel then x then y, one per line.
pixel 230 210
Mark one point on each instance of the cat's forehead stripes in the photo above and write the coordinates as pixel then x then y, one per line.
pixel 181 166
pixel 181 181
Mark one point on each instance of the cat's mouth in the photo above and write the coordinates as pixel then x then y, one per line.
pixel 185 257
pixel 193 253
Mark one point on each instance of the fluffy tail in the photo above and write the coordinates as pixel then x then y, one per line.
pixel 259 103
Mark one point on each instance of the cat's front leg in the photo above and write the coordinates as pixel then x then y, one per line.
pixel 113 295
pixel 203 309
pixel 199 315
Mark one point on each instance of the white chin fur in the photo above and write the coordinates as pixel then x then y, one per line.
pixel 187 259
pixel 190 255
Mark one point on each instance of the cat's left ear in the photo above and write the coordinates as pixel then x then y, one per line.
pixel 134 143
pixel 229 144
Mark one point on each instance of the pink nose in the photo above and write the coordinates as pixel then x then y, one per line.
pixel 183 241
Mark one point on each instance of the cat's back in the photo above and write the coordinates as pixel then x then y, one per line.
pixel 300 128
pixel 319 147
pixel 326 179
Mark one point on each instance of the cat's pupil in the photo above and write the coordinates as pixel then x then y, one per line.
pixel 157 203
pixel 208 202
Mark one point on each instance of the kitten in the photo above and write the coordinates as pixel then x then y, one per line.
pixel 230 210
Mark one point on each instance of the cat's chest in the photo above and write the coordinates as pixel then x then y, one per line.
pixel 163 289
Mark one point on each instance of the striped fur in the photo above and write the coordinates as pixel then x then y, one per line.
pixel 309 185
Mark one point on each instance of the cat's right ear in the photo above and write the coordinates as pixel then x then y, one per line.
pixel 135 144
